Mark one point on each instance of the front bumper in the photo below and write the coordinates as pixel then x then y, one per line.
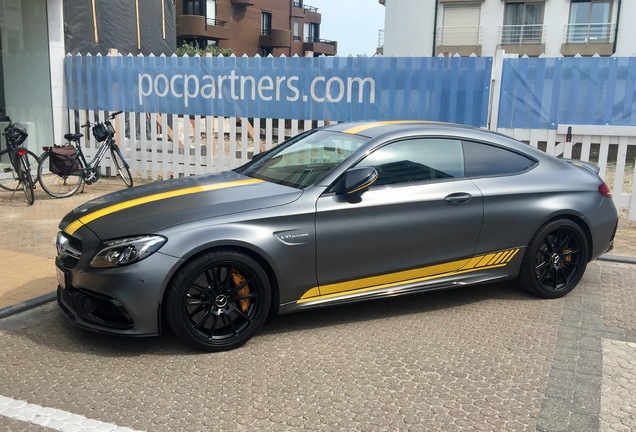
pixel 124 300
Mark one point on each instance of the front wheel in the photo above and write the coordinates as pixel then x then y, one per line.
pixel 58 186
pixel 218 301
pixel 555 260
pixel 26 180
pixel 122 167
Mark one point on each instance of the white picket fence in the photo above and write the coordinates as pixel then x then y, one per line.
pixel 162 146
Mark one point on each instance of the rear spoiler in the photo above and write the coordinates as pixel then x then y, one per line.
pixel 592 167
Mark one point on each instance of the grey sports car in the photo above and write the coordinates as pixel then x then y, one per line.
pixel 337 214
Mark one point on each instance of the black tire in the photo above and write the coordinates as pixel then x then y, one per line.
pixel 55 185
pixel 555 260
pixel 8 176
pixel 218 301
pixel 122 167
pixel 26 179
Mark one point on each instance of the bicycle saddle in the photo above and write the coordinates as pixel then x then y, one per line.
pixel 73 137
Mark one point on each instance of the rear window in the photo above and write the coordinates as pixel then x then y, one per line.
pixel 487 160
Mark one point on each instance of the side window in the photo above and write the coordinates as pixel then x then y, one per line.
pixel 487 160
pixel 416 160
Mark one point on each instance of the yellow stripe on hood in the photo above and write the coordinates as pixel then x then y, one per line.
pixel 74 226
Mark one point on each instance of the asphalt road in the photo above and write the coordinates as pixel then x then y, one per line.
pixel 485 358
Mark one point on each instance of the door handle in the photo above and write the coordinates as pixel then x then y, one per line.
pixel 459 197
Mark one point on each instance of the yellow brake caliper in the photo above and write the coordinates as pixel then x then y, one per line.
pixel 238 280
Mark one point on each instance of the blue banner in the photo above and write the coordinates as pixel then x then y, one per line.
pixel 541 93
pixel 453 89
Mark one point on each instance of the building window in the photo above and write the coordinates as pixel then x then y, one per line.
pixel 297 36
pixel 266 23
pixel 523 23
pixel 210 10
pixel 312 32
pixel 589 21
pixel 460 25
pixel 193 7
pixel 206 8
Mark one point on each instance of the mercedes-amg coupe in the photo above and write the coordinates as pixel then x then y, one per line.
pixel 342 213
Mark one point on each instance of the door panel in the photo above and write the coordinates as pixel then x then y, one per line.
pixel 395 229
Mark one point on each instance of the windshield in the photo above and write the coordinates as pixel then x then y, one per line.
pixel 304 160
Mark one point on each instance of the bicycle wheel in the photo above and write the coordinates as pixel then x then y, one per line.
pixel 55 185
pixel 122 167
pixel 26 180
pixel 8 177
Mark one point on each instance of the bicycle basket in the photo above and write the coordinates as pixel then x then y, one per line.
pixel 100 132
pixel 63 160
pixel 16 134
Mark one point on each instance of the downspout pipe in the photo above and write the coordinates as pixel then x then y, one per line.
pixel 618 18
pixel 435 26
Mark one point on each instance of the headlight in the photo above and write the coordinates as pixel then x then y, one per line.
pixel 115 253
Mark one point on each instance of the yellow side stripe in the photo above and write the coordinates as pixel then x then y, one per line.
pixel 74 226
pixel 438 271
pixel 399 277
pixel 361 128
pixel 395 284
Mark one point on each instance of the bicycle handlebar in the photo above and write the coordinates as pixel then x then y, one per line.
pixel 110 117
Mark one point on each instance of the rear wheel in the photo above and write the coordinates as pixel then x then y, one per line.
pixel 56 185
pixel 8 176
pixel 218 301
pixel 122 167
pixel 555 260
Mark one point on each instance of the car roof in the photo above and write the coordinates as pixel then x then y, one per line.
pixel 392 129
pixel 374 129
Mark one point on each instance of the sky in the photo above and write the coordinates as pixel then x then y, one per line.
pixel 353 23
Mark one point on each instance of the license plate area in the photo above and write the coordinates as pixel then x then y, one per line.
pixel 62 277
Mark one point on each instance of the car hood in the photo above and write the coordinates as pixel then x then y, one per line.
pixel 150 208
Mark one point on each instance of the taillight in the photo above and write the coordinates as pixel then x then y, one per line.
pixel 21 152
pixel 604 190
pixel 46 148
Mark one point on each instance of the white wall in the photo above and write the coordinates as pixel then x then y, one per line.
pixel 55 12
pixel 626 46
pixel 408 27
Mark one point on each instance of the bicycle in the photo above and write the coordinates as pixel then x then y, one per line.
pixel 63 169
pixel 19 173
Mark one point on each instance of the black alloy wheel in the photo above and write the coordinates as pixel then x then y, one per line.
pixel 218 301
pixel 555 260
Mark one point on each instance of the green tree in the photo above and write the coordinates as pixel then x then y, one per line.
pixel 212 50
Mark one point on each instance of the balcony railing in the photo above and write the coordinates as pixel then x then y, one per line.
pixel 589 33
pixel 302 5
pixel 215 22
pixel 318 40
pixel 522 34
pixel 458 36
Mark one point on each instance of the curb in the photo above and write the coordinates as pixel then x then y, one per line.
pixel 26 305
pixel 617 259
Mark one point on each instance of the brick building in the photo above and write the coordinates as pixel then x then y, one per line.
pixel 253 27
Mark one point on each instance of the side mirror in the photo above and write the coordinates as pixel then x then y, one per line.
pixel 358 180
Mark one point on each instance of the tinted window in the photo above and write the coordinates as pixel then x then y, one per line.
pixel 416 160
pixel 304 160
pixel 487 160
